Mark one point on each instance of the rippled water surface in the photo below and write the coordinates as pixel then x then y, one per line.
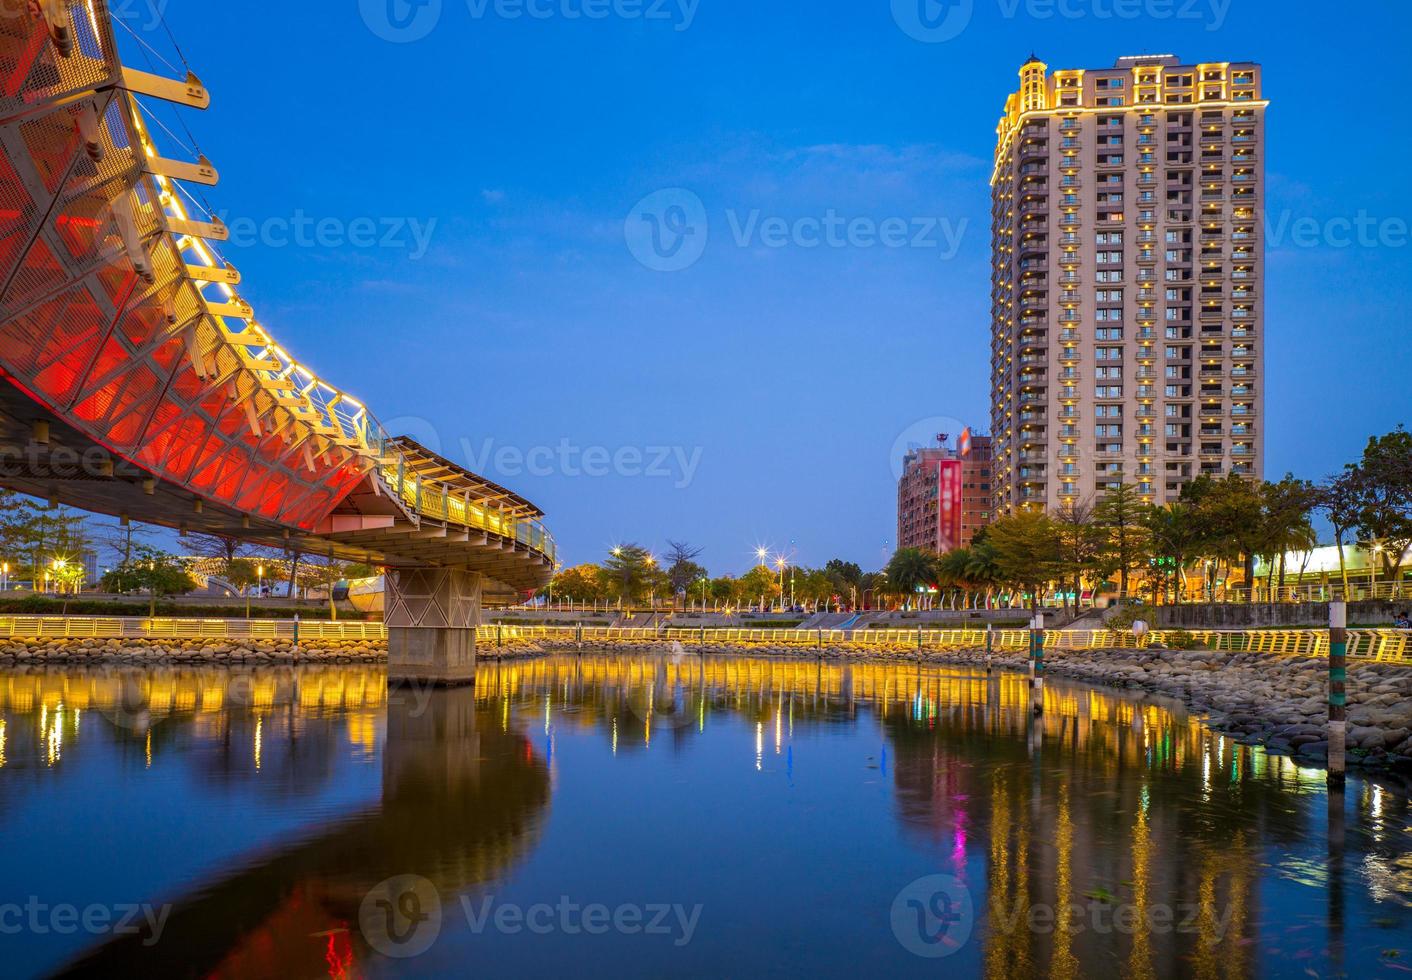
pixel 651 815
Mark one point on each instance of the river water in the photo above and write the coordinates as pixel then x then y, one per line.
pixel 658 815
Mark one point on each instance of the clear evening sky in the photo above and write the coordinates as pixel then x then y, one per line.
pixel 501 148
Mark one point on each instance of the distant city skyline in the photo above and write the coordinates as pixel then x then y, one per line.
pixel 473 203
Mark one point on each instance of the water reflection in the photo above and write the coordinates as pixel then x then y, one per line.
pixel 1109 835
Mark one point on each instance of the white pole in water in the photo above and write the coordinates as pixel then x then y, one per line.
pixel 1338 682
pixel 1037 662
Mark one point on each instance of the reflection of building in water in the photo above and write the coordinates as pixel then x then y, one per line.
pixel 1124 817
pixel 463 798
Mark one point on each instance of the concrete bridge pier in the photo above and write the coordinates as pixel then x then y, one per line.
pixel 431 617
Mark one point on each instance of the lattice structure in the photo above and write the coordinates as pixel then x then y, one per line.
pixel 120 322
pixel 436 598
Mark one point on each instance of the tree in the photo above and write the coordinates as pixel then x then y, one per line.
pixel 123 539
pixel 1340 497
pixel 1027 551
pixel 1285 523
pixel 1385 478
pixel 1080 546
pixel 759 584
pixel 909 570
pixel 581 583
pixel 155 572
pixel 1120 513
pixel 628 572
pixel 983 566
pixel 1231 516
pixel 241 573
pixel 682 570
pixel 1174 536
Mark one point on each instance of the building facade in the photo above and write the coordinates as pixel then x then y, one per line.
pixel 943 496
pixel 976 487
pixel 1127 274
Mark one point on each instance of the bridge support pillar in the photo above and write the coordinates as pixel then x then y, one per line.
pixel 431 616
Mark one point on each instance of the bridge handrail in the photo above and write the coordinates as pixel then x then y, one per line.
pixel 326 410
pixel 443 505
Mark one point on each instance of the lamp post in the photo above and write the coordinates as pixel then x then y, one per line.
pixel 1377 551
pixel 5 577
pixel 259 587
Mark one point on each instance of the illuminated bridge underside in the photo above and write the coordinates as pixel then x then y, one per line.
pixel 135 381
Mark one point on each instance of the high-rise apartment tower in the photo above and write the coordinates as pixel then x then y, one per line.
pixel 1127 270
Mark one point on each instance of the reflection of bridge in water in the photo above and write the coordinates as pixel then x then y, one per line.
pixel 136 381
pixel 1128 800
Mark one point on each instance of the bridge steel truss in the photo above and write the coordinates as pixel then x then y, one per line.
pixel 135 379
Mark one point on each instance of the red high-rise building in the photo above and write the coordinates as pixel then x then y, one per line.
pixel 943 497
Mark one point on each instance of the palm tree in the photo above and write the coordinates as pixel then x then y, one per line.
pixel 983 568
pixel 951 570
pixel 910 569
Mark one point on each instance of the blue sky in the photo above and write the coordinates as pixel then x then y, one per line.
pixel 759 393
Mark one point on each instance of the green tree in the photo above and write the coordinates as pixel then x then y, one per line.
pixel 628 572
pixel 1081 545
pixel 1340 497
pixel 1175 537
pixel 983 566
pixel 1027 551
pixel 155 572
pixel 1231 515
pixel 909 570
pixel 759 584
pixel 1385 517
pixel 1285 522
pixel 241 573
pixel 581 583
pixel 682 569
pixel 1121 514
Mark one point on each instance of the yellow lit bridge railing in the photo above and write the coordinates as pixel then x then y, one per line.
pixel 1374 644
pixel 436 501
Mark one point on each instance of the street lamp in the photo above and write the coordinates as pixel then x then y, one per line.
pixel 5 577
pixel 781 561
pixel 1377 550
